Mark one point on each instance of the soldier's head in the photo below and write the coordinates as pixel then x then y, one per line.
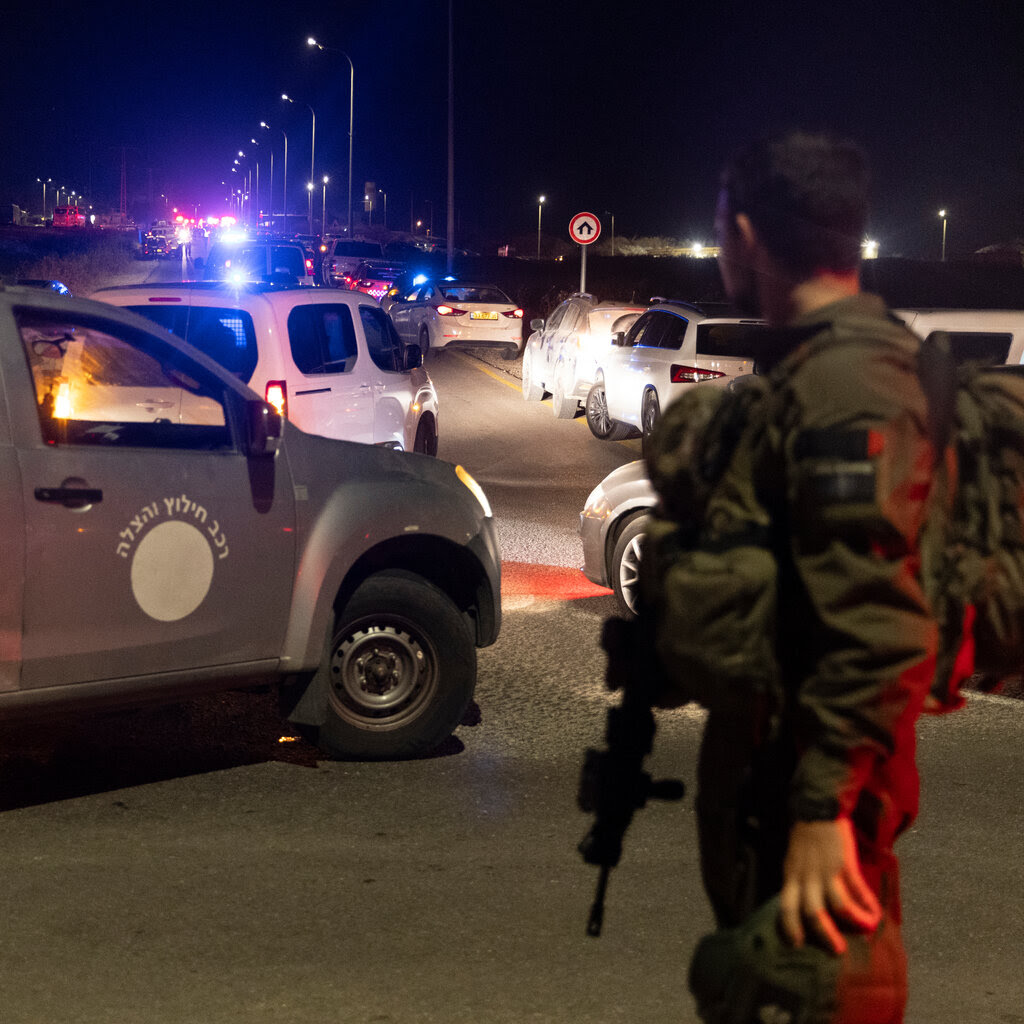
pixel 794 206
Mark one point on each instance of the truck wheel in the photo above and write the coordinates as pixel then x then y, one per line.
pixel 401 671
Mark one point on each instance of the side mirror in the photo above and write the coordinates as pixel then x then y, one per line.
pixel 264 428
pixel 198 263
pixel 537 325
pixel 413 357
pixel 619 339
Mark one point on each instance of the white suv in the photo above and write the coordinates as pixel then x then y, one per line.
pixel 330 361
pixel 563 353
pixel 670 348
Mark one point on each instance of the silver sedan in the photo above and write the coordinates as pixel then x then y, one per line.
pixel 612 526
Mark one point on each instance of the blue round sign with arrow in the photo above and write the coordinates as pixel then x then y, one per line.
pixel 584 228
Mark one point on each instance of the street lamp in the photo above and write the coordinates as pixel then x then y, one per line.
pixel 309 192
pixel 44 184
pixel 263 124
pixel 942 214
pixel 323 213
pixel 540 206
pixel 312 151
pixel 385 195
pixel 351 107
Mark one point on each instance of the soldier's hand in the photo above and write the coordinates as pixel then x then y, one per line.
pixel 822 882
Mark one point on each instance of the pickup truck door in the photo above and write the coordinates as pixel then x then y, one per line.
pixel 153 543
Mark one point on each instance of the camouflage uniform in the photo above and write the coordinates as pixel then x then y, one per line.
pixel 815 673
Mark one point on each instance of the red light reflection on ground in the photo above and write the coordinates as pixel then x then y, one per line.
pixel 521 580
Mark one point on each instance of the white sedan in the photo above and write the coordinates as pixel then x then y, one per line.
pixel 670 348
pixel 449 313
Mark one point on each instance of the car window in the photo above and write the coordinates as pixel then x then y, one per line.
pixel 287 259
pixel 322 338
pixel 226 335
pixel 556 317
pixel 648 330
pixel 987 347
pixel 672 333
pixel 385 347
pixel 739 340
pixel 100 383
pixel 474 293
pixel 571 320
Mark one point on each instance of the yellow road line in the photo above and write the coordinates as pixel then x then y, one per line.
pixel 484 368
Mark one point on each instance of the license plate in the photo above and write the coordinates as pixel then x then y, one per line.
pixel 483 316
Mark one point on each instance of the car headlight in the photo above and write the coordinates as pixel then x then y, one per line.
pixel 478 491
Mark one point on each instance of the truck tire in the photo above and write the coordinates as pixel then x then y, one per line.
pixel 401 671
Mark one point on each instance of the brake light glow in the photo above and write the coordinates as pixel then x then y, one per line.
pixel 450 311
pixel 309 266
pixel 276 394
pixel 692 374
pixel 516 313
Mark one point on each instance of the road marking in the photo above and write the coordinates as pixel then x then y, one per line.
pixel 483 368
pixel 479 364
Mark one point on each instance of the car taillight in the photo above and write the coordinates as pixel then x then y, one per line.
pixel 276 394
pixel 309 266
pixel 692 374
pixel 450 311
pixel 517 313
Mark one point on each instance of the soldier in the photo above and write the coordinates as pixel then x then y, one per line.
pixel 806 614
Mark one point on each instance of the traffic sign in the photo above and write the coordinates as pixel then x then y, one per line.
pixel 584 228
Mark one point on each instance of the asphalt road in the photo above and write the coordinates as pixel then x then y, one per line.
pixel 182 865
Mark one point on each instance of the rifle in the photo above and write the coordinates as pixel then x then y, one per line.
pixel 613 783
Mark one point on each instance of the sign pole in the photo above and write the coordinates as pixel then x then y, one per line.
pixel 584 229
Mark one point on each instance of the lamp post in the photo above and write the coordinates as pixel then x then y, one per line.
pixel 257 203
pixel 540 206
pixel 309 192
pixel 351 107
pixel 44 184
pixel 263 124
pixel 942 214
pixel 323 212
pixel 312 152
pixel 385 195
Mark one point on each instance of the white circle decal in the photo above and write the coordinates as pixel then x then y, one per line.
pixel 172 571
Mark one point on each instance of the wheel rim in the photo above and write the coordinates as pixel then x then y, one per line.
pixel 382 676
pixel 597 410
pixel 629 572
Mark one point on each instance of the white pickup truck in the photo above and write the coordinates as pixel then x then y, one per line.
pixel 164 532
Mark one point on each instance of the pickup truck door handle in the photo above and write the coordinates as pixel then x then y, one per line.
pixel 73 497
pixel 155 403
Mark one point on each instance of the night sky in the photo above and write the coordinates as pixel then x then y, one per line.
pixel 621 108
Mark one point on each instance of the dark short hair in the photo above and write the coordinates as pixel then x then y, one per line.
pixel 806 195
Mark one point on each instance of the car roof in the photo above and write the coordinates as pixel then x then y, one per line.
pixel 236 295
